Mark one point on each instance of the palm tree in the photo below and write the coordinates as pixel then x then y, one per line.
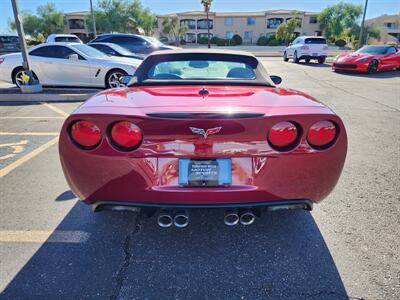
pixel 207 6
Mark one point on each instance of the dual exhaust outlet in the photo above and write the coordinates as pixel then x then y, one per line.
pixel 181 218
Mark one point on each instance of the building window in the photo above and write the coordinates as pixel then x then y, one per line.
pixel 190 24
pixel 318 33
pixel 274 23
pixel 203 35
pixel 202 24
pixel 229 34
pixel 76 24
pixel 251 21
pixel 248 37
pixel 190 38
pixel 228 21
pixel 390 25
pixel 313 20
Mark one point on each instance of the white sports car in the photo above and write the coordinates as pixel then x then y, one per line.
pixel 68 64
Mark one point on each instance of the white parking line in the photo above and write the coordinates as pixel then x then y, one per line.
pixel 41 118
pixel 42 236
pixel 55 109
pixel 30 133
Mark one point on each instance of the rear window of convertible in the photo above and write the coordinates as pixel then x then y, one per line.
pixel 201 69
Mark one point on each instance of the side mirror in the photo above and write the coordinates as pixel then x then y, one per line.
pixel 125 80
pixel 73 56
pixel 276 79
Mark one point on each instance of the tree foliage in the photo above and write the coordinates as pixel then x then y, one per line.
pixel 172 28
pixel 206 4
pixel 46 21
pixel 285 31
pixel 122 16
pixel 339 20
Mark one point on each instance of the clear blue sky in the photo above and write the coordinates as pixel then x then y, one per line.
pixel 375 7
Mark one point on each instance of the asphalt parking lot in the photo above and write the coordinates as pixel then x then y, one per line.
pixel 52 246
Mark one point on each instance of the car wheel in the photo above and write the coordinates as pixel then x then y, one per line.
pixel 373 66
pixel 321 60
pixel 295 58
pixel 17 76
pixel 285 58
pixel 307 60
pixel 112 78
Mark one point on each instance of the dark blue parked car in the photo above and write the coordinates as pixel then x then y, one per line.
pixel 133 42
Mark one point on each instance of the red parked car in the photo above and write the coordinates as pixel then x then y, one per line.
pixel 369 59
pixel 202 129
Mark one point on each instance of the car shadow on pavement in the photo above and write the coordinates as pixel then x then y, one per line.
pixel 281 256
pixel 314 65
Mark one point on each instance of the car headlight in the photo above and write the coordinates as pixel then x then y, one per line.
pixel 363 59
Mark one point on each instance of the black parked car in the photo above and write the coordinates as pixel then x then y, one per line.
pixel 133 42
pixel 116 50
pixel 9 43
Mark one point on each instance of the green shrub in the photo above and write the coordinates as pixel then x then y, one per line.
pixel 202 40
pixel 262 41
pixel 221 42
pixel 237 39
pixel 213 40
pixel 183 42
pixel 273 42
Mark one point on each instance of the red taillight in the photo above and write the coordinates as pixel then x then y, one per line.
pixel 304 47
pixel 2 59
pixel 125 135
pixel 283 135
pixel 321 134
pixel 86 134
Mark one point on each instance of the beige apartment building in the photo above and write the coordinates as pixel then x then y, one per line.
pixel 249 25
pixel 75 24
pixel 389 25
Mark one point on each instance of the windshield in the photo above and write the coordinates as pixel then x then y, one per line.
pixel 67 39
pixel 89 51
pixel 201 69
pixel 373 50
pixel 120 49
pixel 315 41
pixel 153 40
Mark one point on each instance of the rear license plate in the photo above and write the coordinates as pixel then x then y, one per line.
pixel 205 172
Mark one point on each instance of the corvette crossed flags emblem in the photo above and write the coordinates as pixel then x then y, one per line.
pixel 205 133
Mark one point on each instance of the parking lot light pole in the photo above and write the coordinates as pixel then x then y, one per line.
pixel 93 18
pixel 33 85
pixel 360 39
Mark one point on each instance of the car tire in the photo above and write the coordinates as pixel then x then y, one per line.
pixel 295 58
pixel 285 58
pixel 321 60
pixel 112 78
pixel 372 67
pixel 16 76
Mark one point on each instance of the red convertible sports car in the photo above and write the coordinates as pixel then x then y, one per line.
pixel 369 59
pixel 202 129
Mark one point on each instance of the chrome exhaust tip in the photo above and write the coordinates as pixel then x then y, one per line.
pixel 247 217
pixel 181 219
pixel 231 218
pixel 165 219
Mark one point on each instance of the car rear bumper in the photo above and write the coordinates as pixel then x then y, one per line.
pixel 313 56
pixel 264 205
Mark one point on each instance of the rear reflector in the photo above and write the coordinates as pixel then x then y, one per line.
pixel 283 135
pixel 126 136
pixel 321 134
pixel 86 134
pixel 2 59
